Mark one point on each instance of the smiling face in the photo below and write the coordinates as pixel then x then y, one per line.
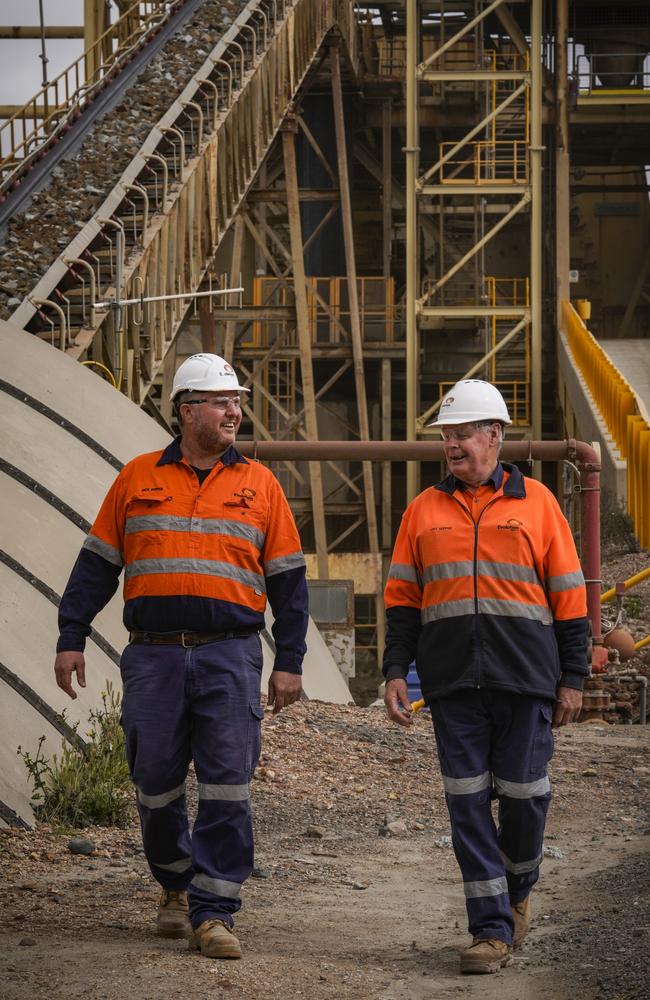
pixel 471 452
pixel 210 421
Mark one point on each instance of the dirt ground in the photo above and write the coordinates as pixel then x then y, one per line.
pixel 337 909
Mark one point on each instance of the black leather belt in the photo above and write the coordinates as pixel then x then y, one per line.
pixel 187 639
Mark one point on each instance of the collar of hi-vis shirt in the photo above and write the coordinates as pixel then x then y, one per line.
pixel 173 453
pixel 476 501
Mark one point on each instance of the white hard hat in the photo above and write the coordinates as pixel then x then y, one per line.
pixel 205 373
pixel 471 400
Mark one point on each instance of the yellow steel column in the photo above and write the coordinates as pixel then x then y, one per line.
pixel 411 154
pixel 536 234
pixel 562 164
pixel 95 24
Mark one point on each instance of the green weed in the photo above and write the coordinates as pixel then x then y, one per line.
pixel 89 786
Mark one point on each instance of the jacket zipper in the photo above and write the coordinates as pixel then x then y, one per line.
pixel 476 523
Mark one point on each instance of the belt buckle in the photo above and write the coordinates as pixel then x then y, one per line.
pixel 184 644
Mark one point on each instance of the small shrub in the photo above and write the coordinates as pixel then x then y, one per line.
pixel 89 787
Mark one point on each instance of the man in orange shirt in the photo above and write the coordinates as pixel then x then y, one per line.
pixel 204 537
pixel 486 593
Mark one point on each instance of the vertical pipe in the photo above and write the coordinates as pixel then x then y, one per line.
pixel 562 163
pixel 536 222
pixel 411 154
pixel 590 517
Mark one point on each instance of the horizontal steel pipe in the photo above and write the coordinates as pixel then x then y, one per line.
pixel 423 451
pixel 407 451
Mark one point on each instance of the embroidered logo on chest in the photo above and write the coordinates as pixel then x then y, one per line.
pixel 512 524
pixel 245 496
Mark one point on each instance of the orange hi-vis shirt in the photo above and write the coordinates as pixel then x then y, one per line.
pixel 199 556
pixel 486 590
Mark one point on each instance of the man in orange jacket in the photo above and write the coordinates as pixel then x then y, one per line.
pixel 486 594
pixel 204 537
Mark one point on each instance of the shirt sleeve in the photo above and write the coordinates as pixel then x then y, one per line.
pixel 95 575
pixel 286 584
pixel 92 583
pixel 567 595
pixel 403 600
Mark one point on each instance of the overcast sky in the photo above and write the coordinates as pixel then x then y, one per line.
pixel 21 71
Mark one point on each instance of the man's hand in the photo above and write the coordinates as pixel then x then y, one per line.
pixel 568 703
pixel 67 664
pixel 397 701
pixel 284 689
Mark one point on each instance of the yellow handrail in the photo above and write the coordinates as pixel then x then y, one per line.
pixel 617 402
pixel 631 581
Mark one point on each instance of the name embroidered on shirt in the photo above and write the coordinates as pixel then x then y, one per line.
pixel 512 524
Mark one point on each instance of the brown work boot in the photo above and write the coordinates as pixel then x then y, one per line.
pixel 485 955
pixel 172 920
pixel 215 939
pixel 521 914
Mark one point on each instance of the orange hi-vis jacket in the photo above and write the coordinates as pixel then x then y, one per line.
pixel 496 602
pixel 196 556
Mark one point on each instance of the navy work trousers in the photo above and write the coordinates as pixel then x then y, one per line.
pixel 200 704
pixel 492 744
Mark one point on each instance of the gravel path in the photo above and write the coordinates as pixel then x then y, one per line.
pixel 339 907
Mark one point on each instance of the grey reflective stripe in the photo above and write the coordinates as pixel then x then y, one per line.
pixel 515 609
pixel 206 567
pixel 402 571
pixel 448 571
pixel 103 549
pixel 179 866
pixel 158 801
pixel 523 789
pixel 466 786
pixel 295 560
pixel 217 886
pixel 450 609
pixel 224 793
pixel 509 571
pixel 197 525
pixel 520 867
pixel 566 581
pixel 491 887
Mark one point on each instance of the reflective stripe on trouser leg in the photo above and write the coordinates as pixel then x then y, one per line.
pixel 524 793
pixel 463 727
pixel 226 717
pixel 156 731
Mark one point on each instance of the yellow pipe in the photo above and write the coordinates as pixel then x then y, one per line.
pixel 417 706
pixel 628 584
pixel 641 643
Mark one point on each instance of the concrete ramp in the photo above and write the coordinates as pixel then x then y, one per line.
pixel 64 435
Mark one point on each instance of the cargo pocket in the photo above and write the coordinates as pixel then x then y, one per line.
pixel 254 740
pixel 543 742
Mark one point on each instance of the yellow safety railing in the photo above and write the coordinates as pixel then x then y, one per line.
pixel 617 402
pixel 632 581
pixel 511 292
pixel 486 162
pixel 60 101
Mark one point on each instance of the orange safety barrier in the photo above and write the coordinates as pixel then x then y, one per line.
pixel 617 402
